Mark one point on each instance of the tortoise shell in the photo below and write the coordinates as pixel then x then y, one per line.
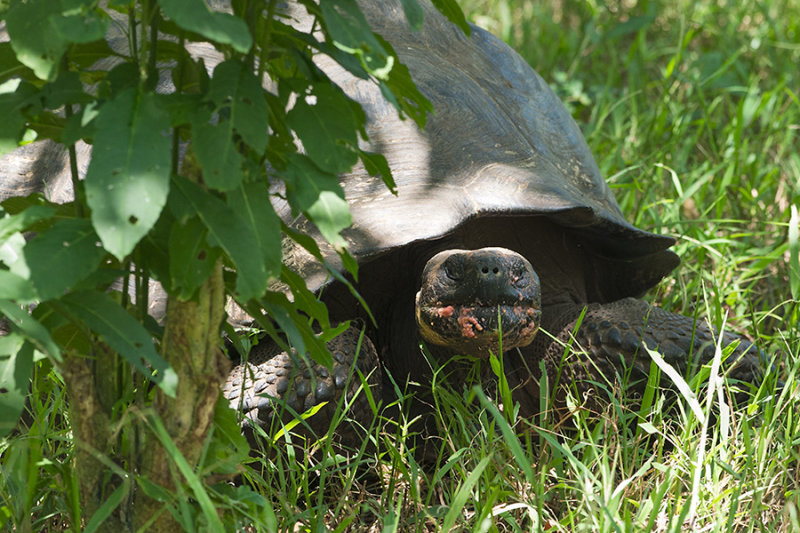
pixel 500 143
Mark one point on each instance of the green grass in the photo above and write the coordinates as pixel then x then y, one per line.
pixel 693 113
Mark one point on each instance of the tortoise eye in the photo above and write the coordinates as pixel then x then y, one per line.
pixel 454 267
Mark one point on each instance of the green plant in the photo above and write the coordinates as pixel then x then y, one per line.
pixel 178 190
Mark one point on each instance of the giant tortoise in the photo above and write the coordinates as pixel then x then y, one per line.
pixel 503 236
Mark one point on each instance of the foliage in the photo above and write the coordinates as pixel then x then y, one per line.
pixel 182 186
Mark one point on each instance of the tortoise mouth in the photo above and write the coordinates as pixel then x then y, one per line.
pixel 478 329
pixel 477 301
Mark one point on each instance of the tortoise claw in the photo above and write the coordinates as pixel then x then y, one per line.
pixel 274 387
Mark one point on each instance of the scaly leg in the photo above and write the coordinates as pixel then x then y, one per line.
pixel 273 380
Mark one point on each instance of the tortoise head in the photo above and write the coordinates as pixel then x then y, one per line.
pixel 470 299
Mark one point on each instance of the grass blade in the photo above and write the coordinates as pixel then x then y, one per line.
pixel 194 482
pixel 794 253
pixel 457 505
pixel 509 436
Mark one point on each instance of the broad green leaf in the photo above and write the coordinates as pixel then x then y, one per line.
pixel 16 367
pixel 47 125
pixel 331 214
pixel 349 263
pixel 196 16
pixel 123 77
pixel 24 219
pixel 42 30
pixel 85 55
pixel 84 27
pixel 30 328
pixel 192 78
pixel 400 90
pixel 252 203
pixel 10 67
pixel 62 255
pixel 414 14
pixel 68 334
pixel 296 327
pixel 155 246
pixel 305 181
pixel 128 178
pixel 102 277
pixel 123 333
pixel 264 319
pixel 235 88
pixel 13 287
pixel 286 36
pixel 319 195
pixel 350 32
pixel 450 9
pixel 66 89
pixel 305 241
pixel 304 299
pixel 180 107
pixel 80 125
pixel 216 152
pixel 14 97
pixel 232 234
pixel 12 255
pixel 191 260
pixel 327 125
pixel 34 36
pixel 376 165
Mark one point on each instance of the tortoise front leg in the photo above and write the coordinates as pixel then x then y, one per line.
pixel 273 383
pixel 614 336
pixel 609 342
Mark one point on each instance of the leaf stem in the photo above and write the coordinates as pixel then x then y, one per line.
pixel 152 71
pixel 178 90
pixel 77 186
pixel 132 41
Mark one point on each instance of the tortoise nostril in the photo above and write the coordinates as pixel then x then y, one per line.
pixel 485 269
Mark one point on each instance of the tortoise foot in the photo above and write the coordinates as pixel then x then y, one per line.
pixel 274 387
pixel 611 338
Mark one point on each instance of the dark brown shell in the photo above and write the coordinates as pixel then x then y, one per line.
pixel 500 143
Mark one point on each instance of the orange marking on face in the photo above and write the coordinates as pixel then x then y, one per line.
pixel 445 312
pixel 467 323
